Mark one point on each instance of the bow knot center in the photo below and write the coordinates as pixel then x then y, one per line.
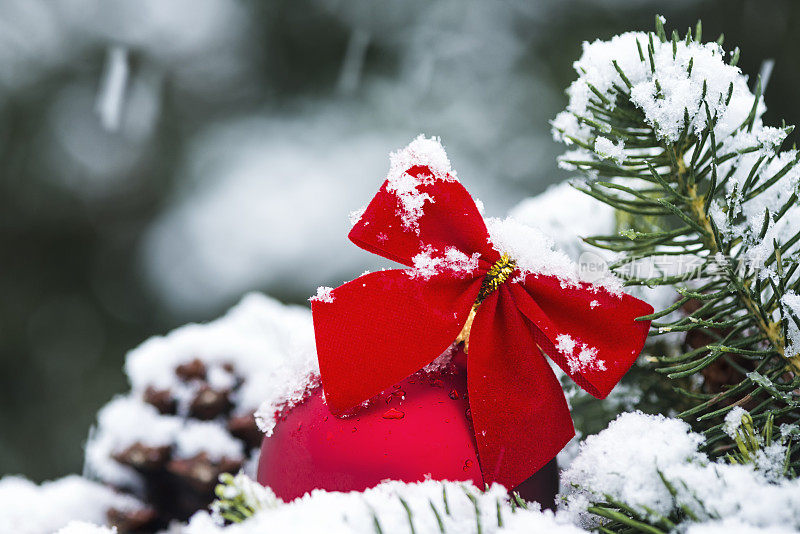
pixel 495 276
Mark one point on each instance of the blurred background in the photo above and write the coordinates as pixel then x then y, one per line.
pixel 159 158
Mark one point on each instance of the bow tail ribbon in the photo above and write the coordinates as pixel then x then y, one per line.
pixel 519 413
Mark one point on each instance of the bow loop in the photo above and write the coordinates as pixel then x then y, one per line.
pixel 589 332
pixel 420 206
pixel 519 412
pixel 384 326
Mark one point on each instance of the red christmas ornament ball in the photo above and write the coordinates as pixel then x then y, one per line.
pixel 417 429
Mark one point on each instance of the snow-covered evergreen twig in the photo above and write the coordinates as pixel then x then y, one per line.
pixel 668 133
pixel 710 191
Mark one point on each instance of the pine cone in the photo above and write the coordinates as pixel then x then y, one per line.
pixel 190 414
pixel 175 486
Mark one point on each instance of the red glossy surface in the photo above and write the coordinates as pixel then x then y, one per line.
pixel 418 428
pixel 425 433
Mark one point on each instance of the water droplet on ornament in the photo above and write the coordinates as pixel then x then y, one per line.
pixel 393 413
pixel 399 393
pixel 468 412
pixel 354 429
pixel 437 383
pixel 396 386
pixel 454 394
pixel 467 465
pixel 389 399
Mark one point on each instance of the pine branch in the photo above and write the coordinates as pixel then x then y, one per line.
pixel 669 134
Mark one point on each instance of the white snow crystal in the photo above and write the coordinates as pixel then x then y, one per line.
pixel 247 491
pixel 565 343
pixel 220 379
pixel 324 294
pixel 622 461
pixel 733 420
pixel 790 303
pixel 421 151
pixel 585 359
pixel 768 459
pixel 565 126
pixel 121 423
pixel 746 218
pixel 430 262
pixel 607 149
pixel 356 215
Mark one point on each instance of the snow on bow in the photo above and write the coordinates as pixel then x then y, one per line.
pixel 504 290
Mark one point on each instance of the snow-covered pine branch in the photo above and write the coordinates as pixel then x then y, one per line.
pixel 668 132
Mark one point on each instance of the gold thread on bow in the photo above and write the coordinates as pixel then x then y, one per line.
pixel 495 276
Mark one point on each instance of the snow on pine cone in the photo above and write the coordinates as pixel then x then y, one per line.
pixel 30 508
pixel 190 413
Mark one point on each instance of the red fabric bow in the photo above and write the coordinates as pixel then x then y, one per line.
pixel 384 326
